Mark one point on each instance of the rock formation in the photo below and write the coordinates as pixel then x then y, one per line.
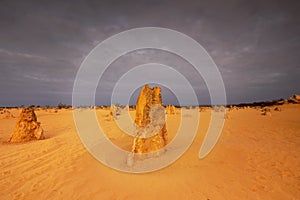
pixel 266 111
pixel 126 108
pixel 114 112
pixel 27 127
pixel 297 97
pixel 170 109
pixel 277 109
pixel 5 114
pixel 218 109
pixel 151 132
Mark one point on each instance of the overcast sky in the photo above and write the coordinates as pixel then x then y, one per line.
pixel 255 44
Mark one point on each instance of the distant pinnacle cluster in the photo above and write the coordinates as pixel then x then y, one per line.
pixel 170 109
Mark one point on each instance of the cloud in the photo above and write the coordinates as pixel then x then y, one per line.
pixel 255 44
pixel 22 55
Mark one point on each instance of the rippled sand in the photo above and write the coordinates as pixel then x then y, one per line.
pixel 256 157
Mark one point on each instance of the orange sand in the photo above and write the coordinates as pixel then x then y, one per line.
pixel 256 157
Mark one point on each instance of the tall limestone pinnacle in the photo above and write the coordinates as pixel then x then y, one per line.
pixel 27 127
pixel 151 132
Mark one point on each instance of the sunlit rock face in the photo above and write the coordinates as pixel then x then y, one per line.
pixel 27 127
pixel 297 97
pixel 5 114
pixel 115 111
pixel 170 109
pixel 151 132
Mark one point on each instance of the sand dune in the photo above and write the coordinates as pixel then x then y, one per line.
pixel 256 157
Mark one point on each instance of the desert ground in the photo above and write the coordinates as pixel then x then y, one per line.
pixel 256 157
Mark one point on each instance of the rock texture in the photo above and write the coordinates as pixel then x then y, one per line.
pixel 151 132
pixel 5 114
pixel 170 109
pixel 277 109
pixel 27 127
pixel 114 112
pixel 266 111
pixel 297 97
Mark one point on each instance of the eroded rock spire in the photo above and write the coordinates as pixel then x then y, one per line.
pixel 27 127
pixel 151 132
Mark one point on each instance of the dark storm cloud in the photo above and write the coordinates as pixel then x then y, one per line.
pixel 255 44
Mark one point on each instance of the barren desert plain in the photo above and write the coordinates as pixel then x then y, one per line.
pixel 256 157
